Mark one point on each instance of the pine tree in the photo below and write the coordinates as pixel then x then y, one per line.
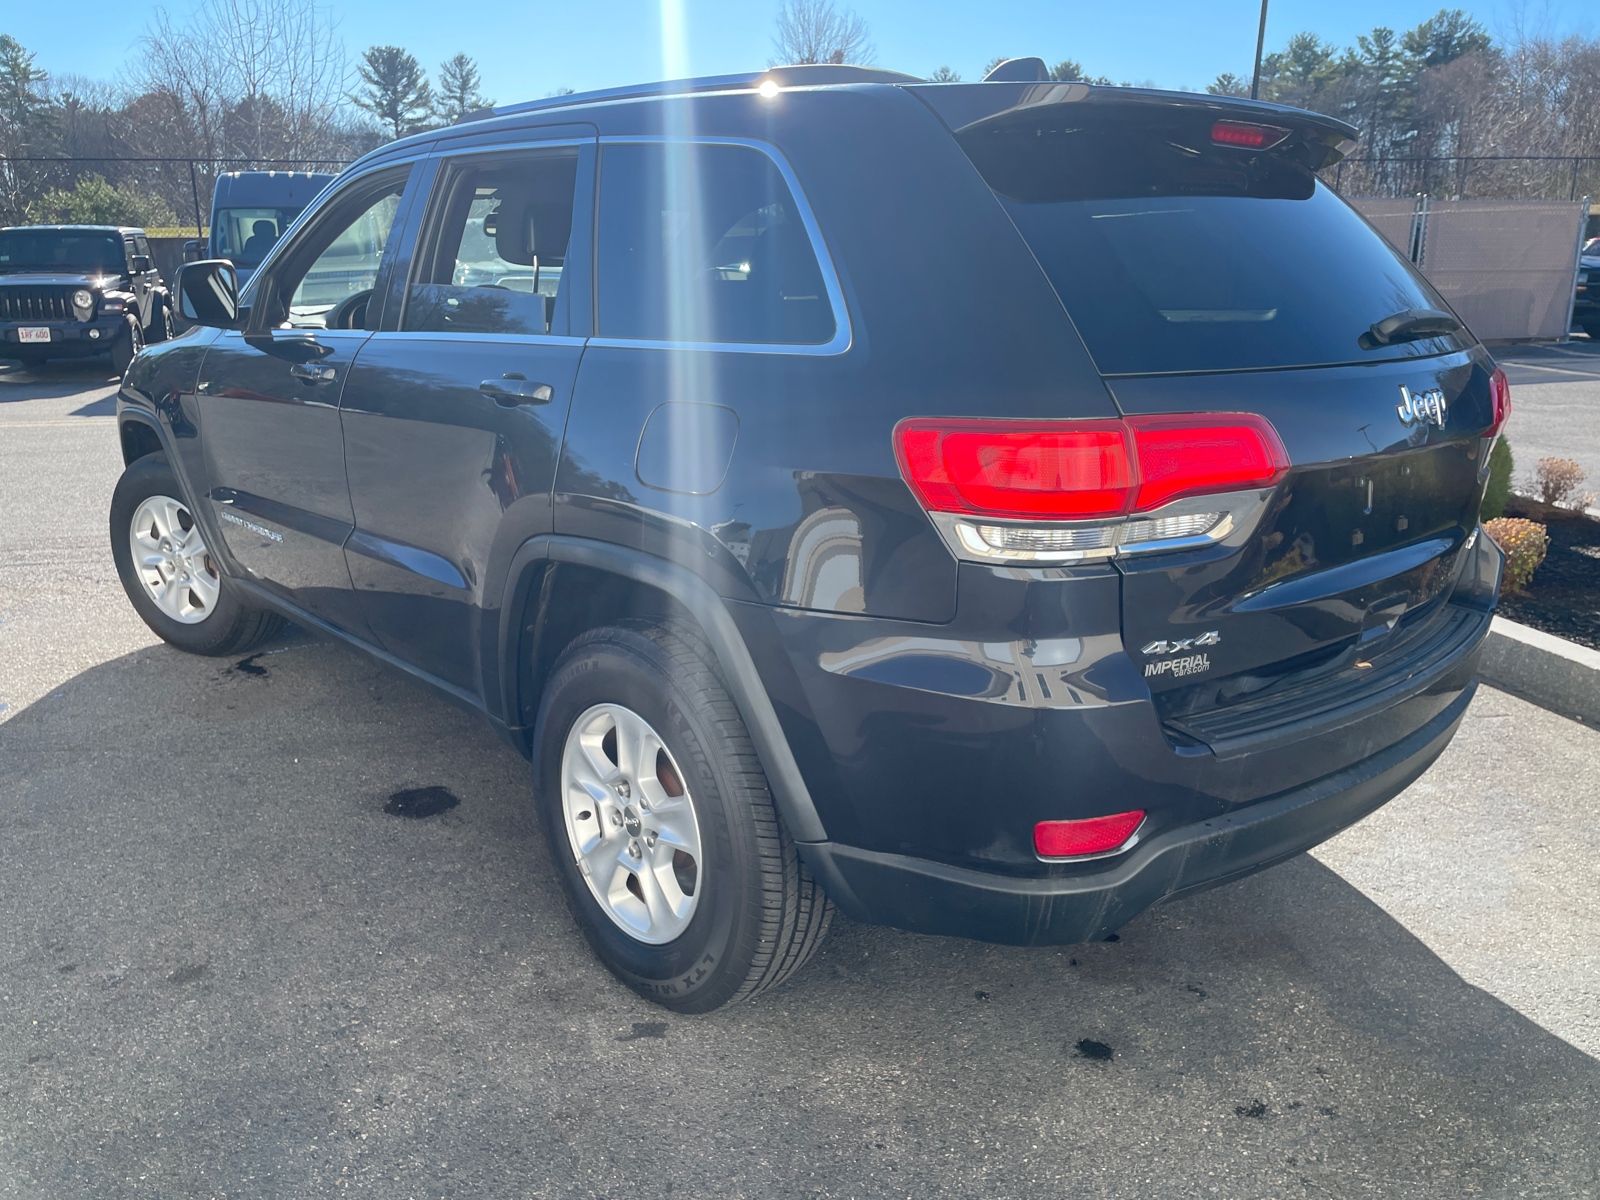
pixel 460 89
pixel 397 92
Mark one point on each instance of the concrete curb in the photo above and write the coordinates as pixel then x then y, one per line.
pixel 1550 671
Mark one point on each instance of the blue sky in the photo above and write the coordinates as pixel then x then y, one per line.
pixel 527 49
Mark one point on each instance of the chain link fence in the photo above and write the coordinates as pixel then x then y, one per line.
pixel 1508 267
pixel 1482 177
pixel 184 184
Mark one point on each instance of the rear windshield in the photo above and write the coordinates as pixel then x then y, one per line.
pixel 73 253
pixel 1172 254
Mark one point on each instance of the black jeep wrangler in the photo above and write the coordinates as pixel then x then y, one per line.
pixel 72 291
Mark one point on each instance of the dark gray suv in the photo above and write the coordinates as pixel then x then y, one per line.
pixel 953 503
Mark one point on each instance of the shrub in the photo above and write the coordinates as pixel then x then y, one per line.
pixel 1498 492
pixel 1558 480
pixel 93 201
pixel 1524 543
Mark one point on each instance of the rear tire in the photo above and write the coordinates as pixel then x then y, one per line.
pixel 757 915
pixel 208 619
pixel 1592 328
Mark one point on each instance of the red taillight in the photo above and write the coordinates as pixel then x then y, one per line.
pixel 1059 469
pixel 1247 136
pixel 1500 396
pixel 1194 456
pixel 1096 835
pixel 1067 470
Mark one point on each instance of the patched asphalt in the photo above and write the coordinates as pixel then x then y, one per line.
pixel 250 948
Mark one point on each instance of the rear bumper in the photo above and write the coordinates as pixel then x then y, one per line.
pixel 930 897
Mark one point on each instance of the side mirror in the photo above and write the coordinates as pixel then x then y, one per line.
pixel 208 293
pixel 141 263
pixel 191 251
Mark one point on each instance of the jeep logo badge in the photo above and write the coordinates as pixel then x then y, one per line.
pixel 1429 407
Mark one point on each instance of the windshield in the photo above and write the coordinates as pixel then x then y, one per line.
pixel 244 235
pixel 62 252
pixel 1172 254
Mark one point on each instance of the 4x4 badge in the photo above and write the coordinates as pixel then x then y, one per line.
pixel 1175 647
pixel 1426 406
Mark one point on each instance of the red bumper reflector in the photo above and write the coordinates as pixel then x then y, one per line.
pixel 1500 394
pixel 1247 136
pixel 1096 835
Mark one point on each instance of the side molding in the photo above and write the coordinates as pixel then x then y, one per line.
pixel 695 594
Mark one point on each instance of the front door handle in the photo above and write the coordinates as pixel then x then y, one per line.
pixel 310 373
pixel 511 390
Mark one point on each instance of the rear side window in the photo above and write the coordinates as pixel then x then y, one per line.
pixel 1173 254
pixel 704 243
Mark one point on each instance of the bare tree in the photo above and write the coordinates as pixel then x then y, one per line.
pixel 267 76
pixel 813 31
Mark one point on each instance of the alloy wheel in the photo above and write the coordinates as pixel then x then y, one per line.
pixel 171 560
pixel 631 823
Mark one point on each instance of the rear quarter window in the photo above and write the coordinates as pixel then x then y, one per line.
pixel 704 243
pixel 1175 255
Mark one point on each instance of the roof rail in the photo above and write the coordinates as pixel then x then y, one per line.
pixel 804 75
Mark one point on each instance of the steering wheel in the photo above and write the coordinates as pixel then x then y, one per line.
pixel 349 313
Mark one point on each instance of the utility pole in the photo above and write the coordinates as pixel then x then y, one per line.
pixel 1261 38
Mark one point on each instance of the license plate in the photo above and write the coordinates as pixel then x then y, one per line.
pixel 33 335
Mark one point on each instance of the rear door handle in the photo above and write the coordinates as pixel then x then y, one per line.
pixel 309 373
pixel 509 391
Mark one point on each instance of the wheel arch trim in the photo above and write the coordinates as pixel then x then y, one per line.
pixel 749 693
pixel 134 415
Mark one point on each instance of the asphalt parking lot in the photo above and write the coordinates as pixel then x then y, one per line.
pixel 226 971
pixel 1555 392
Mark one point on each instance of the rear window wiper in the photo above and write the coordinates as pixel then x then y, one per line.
pixel 1409 325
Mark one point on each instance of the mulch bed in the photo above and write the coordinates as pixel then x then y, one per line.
pixel 1564 596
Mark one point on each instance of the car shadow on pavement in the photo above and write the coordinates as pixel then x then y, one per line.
pixel 63 377
pixel 227 968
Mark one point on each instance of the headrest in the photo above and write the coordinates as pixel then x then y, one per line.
pixel 528 227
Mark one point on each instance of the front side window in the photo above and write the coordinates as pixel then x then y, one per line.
pixel 495 257
pixel 328 275
pixel 704 243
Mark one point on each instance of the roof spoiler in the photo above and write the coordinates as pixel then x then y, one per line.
pixel 1315 140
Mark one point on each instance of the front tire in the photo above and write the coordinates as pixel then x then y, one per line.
pixel 168 572
pixel 162 326
pixel 673 859
pixel 126 348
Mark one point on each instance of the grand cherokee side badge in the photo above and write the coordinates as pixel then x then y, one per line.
pixel 1422 407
